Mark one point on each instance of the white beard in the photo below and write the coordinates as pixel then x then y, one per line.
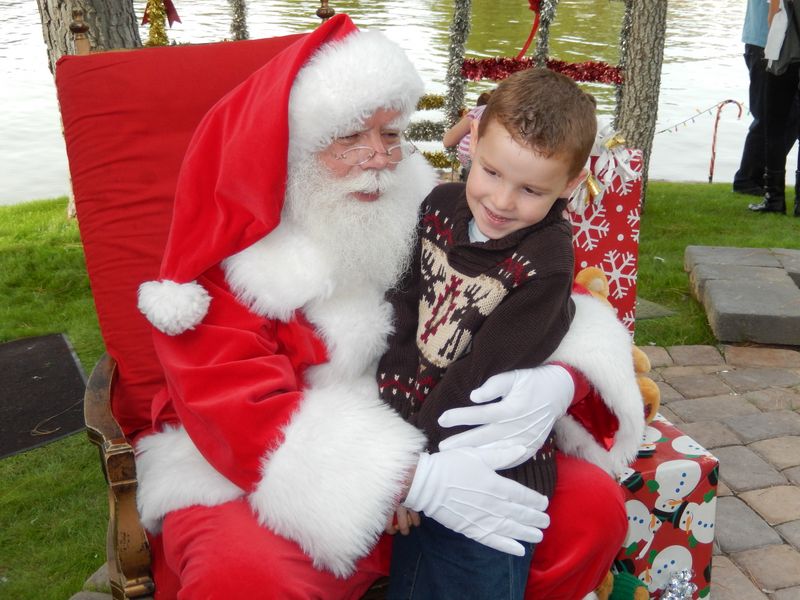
pixel 369 242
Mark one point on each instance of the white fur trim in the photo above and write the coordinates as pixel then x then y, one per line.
pixel 173 474
pixel 355 324
pixel 343 84
pixel 173 307
pixel 418 175
pixel 330 485
pixel 279 273
pixel 599 346
pixel 591 596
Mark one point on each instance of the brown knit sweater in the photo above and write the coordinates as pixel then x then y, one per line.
pixel 466 311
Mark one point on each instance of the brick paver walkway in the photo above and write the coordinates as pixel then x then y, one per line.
pixel 743 404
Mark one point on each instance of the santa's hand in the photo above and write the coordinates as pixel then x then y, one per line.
pixel 460 489
pixel 531 402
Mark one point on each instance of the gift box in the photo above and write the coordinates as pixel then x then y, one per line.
pixel 605 213
pixel 671 499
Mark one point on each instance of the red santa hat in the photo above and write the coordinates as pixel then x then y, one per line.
pixel 231 186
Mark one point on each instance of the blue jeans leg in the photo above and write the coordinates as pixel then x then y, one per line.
pixel 435 563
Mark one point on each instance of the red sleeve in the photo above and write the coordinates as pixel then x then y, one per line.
pixel 235 380
pixel 590 411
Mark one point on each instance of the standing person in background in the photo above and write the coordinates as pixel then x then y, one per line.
pixel 749 179
pixel 458 135
pixel 779 110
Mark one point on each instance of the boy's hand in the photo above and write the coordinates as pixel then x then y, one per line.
pixel 402 520
pixel 460 489
pixel 531 402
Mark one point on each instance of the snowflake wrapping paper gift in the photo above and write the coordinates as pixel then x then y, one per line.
pixel 671 501
pixel 606 229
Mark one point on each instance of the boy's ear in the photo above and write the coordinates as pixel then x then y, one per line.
pixel 473 136
pixel 573 183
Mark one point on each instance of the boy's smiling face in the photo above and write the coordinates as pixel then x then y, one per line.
pixel 511 186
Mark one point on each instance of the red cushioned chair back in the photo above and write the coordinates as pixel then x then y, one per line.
pixel 128 117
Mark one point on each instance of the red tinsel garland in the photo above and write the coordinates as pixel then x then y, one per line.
pixel 498 69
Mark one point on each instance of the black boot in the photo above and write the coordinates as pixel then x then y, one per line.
pixel 796 194
pixel 774 200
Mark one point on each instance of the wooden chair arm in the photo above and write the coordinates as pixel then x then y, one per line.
pixel 127 549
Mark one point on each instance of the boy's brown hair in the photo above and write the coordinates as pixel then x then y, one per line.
pixel 547 112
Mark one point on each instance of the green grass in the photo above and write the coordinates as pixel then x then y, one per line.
pixel 52 499
pixel 679 215
pixel 43 277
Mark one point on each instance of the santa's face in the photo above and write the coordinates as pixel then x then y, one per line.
pixel 364 215
pixel 379 134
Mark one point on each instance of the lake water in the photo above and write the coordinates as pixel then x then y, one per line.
pixel 702 67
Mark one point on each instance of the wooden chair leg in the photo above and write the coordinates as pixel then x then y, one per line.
pixel 127 549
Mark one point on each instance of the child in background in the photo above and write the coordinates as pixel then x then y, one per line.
pixel 488 291
pixel 458 135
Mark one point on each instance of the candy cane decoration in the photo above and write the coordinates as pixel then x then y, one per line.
pixel 714 138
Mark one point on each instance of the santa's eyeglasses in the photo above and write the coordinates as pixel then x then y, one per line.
pixel 363 154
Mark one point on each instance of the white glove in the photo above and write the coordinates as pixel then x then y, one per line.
pixel 532 401
pixel 460 489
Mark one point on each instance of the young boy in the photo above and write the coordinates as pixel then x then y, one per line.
pixel 488 291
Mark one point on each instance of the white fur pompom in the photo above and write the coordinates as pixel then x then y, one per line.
pixel 173 307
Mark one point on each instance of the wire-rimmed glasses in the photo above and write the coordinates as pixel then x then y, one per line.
pixel 362 154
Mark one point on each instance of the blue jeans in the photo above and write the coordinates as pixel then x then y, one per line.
pixel 436 563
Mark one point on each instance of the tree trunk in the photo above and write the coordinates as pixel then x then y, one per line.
pixel 112 24
pixel 641 56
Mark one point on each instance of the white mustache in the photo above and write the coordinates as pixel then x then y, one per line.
pixel 370 181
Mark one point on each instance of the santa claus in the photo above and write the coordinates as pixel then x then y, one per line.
pixel 272 466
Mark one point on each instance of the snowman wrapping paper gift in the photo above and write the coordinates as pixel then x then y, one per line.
pixel 671 492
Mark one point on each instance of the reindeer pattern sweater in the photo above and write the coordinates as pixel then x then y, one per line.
pixel 468 310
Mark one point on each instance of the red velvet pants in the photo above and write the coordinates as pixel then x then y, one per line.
pixel 222 553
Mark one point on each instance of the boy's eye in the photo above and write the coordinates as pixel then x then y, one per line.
pixel 531 191
pixel 491 172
